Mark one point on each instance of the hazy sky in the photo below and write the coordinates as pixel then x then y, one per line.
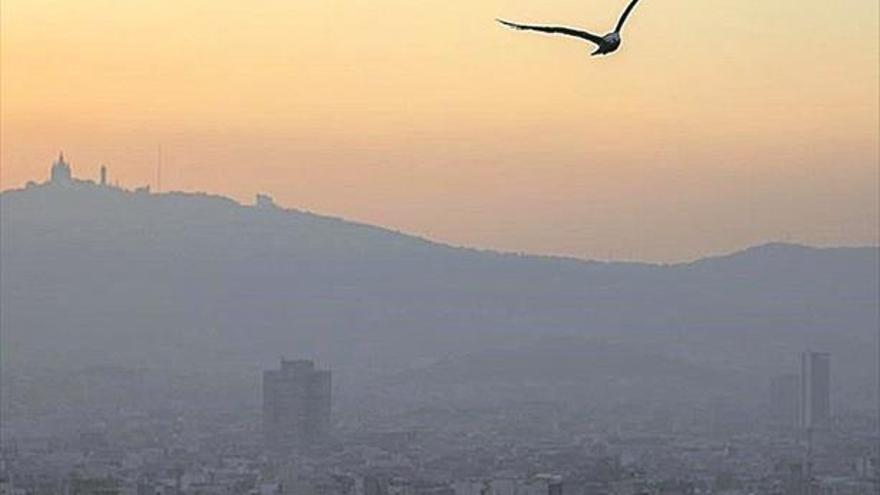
pixel 719 124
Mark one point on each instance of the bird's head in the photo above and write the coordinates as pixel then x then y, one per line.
pixel 612 38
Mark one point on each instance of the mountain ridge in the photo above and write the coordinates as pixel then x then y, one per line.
pixel 88 187
pixel 96 275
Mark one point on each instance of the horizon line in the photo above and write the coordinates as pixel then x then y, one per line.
pixel 147 190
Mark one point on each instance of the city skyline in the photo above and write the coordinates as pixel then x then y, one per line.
pixel 422 120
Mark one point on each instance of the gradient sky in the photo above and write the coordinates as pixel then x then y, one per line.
pixel 720 124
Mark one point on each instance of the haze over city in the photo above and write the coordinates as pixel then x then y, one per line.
pixel 385 247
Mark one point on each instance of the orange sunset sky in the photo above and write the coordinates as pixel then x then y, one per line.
pixel 718 125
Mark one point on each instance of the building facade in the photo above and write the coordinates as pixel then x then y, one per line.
pixel 815 397
pixel 296 406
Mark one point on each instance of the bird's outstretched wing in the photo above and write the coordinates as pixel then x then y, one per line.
pixel 625 14
pixel 555 30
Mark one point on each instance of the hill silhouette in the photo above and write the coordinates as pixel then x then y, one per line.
pixel 95 274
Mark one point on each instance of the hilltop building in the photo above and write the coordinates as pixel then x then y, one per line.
pixel 296 406
pixel 60 173
pixel 265 201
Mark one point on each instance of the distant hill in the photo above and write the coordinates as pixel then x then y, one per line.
pixel 96 274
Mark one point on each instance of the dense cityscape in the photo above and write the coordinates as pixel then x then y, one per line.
pixel 795 447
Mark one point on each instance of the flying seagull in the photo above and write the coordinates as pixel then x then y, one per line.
pixel 605 44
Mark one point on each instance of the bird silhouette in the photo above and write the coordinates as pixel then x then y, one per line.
pixel 605 44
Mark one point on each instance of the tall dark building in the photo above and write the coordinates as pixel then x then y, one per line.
pixel 785 401
pixel 815 397
pixel 296 406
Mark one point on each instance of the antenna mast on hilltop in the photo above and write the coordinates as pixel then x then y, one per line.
pixel 159 168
